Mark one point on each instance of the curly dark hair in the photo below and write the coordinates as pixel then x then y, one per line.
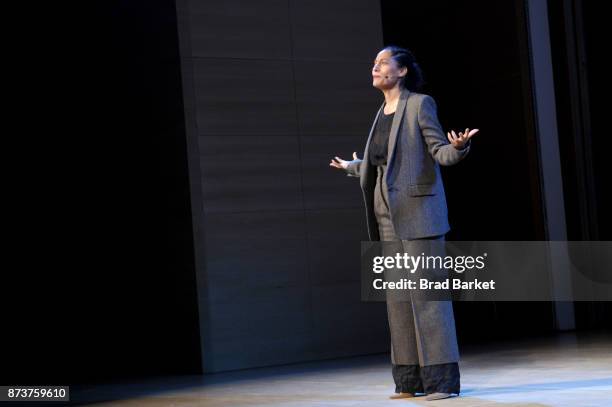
pixel 413 81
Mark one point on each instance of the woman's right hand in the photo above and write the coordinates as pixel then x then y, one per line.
pixel 340 163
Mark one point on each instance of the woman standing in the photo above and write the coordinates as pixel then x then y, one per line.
pixel 405 201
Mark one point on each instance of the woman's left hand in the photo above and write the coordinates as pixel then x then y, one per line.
pixel 460 141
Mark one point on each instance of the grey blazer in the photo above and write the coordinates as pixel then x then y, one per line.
pixel 417 148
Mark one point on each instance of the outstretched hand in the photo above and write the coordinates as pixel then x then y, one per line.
pixel 340 163
pixel 460 141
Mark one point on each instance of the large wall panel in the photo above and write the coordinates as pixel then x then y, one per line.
pixel 274 89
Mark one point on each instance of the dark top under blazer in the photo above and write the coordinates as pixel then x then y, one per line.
pixel 379 147
pixel 417 148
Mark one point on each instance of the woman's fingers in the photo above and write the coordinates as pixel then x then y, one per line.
pixel 335 164
pixel 462 138
pixel 463 135
pixel 355 155
pixel 340 163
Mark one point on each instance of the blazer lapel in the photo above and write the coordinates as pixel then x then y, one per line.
pixel 397 119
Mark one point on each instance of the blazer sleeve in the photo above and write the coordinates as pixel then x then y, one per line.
pixel 437 143
pixel 352 170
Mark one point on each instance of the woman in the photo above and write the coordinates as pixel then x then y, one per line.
pixel 405 201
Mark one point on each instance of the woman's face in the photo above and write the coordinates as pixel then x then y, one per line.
pixel 385 72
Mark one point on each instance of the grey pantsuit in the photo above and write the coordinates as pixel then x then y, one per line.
pixel 405 202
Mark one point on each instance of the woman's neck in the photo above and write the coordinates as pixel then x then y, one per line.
pixel 392 95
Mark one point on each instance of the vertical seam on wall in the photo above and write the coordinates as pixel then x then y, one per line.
pixel 299 143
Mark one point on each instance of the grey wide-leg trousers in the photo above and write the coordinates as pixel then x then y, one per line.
pixel 424 349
